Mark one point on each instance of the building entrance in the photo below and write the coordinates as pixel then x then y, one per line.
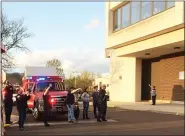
pixel 146 79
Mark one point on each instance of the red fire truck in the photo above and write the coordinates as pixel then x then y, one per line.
pixel 37 84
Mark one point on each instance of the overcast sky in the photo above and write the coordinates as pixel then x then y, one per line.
pixel 71 32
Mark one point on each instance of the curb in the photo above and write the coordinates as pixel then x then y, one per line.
pixel 156 111
pixel 165 112
pixel 9 125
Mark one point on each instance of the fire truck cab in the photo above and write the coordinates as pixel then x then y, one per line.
pixel 36 85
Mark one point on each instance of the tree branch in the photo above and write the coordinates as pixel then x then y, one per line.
pixel 13 34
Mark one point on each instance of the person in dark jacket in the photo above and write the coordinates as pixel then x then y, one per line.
pixel 8 102
pixel 95 102
pixel 47 105
pixel 103 104
pixel 70 102
pixel 21 99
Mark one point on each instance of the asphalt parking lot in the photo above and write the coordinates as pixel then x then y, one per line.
pixel 120 122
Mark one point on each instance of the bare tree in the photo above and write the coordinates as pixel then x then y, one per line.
pixel 55 63
pixel 13 33
pixel 83 80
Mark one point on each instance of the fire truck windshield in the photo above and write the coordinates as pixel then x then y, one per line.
pixel 56 86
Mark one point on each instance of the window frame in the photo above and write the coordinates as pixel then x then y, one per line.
pixel 130 13
pixel 152 6
pixel 117 18
pixel 165 8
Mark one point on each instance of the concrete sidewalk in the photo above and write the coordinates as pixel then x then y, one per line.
pixel 167 108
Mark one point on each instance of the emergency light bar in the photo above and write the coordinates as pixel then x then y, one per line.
pixel 42 78
pixel 28 78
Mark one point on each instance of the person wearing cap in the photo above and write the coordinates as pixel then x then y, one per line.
pixel 22 98
pixel 103 104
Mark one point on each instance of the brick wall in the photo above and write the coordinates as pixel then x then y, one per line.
pixel 165 76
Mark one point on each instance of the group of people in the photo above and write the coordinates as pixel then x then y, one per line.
pixel 21 99
pixel 99 104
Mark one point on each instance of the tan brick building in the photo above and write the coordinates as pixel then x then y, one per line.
pixel 145 44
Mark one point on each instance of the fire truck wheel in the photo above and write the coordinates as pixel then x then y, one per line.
pixel 36 112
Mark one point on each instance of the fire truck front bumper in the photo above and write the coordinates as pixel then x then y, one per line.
pixel 61 109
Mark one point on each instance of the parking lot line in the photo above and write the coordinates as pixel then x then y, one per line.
pixel 64 123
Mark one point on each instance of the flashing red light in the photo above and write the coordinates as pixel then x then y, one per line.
pixel 3 93
pixel 52 101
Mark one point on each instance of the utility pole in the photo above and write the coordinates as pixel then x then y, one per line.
pixel 74 73
pixel 75 81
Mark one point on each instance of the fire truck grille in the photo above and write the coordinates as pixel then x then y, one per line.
pixel 59 101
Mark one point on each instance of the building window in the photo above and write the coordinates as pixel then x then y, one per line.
pixel 117 19
pixel 135 12
pixel 146 9
pixel 107 85
pixel 126 15
pixel 170 3
pixel 159 6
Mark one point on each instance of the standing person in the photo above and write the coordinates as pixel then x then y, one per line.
pixel 70 102
pixel 103 103
pixel 95 101
pixel 153 94
pixel 8 102
pixel 85 99
pixel 21 99
pixel 47 105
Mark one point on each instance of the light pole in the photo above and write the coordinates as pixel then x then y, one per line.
pixel 74 72
pixel 75 81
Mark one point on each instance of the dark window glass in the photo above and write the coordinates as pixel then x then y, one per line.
pixel 170 3
pixel 126 15
pixel 146 9
pixel 56 86
pixel 135 10
pixel 117 19
pixel 159 6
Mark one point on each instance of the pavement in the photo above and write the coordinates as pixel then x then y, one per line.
pixel 120 122
pixel 166 108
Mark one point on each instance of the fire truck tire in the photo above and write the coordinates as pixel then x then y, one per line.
pixel 28 111
pixel 36 112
